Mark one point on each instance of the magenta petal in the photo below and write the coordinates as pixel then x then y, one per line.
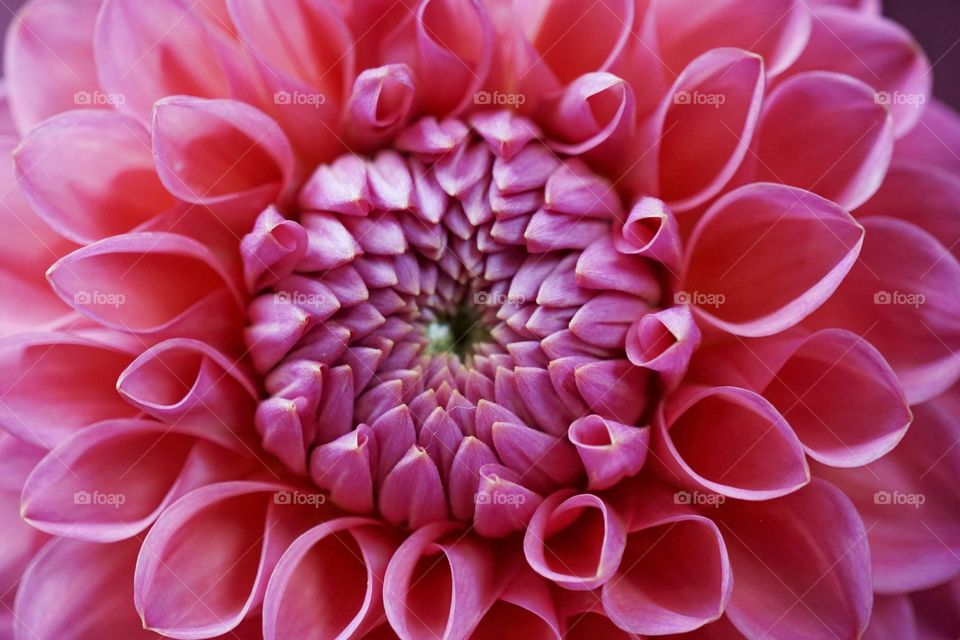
pixel 612 389
pixel 575 540
pixel 935 139
pixel 98 579
pixel 610 451
pixel 48 62
pixel 761 229
pixel 730 441
pixel 471 456
pixel 439 583
pixel 272 250
pixel 525 606
pixel 413 491
pixel 503 504
pixel 664 341
pixel 650 230
pixel 380 104
pixel 542 460
pixel 345 468
pixel 780 554
pixel 891 617
pixel 86 206
pixel 675 577
pixel 603 132
pixel 826 133
pixel 341 187
pixel 328 582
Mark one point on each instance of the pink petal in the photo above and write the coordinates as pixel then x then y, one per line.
pixel 48 60
pixel 730 441
pixel 713 107
pixel 801 564
pixel 439 583
pixel 776 30
pixel 55 384
pixel 650 230
pixel 610 451
pixel 222 541
pixel 935 138
pixel 97 577
pixel 218 152
pixel 826 133
pixel 761 229
pixel 892 617
pixel 875 50
pixel 413 491
pixel 674 577
pixel 380 104
pixel 328 582
pixel 525 607
pixel 346 468
pixel 503 504
pixel 575 541
pixel 272 250
pixel 612 388
pixel 150 283
pixel 664 341
pixel 903 291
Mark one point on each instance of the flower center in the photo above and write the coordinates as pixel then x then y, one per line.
pixel 429 323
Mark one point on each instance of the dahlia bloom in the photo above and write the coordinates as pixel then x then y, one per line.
pixel 477 319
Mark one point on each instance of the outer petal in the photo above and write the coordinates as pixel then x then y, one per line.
pixel 52 385
pixel 936 138
pixel 97 579
pixel 206 562
pixel 827 133
pixel 892 618
pixel 875 50
pixel 48 60
pixel 53 168
pixel 762 229
pixel 802 565
pixel 729 441
pixel 902 296
pixel 328 582
pixel 439 583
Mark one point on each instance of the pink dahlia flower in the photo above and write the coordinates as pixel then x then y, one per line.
pixel 477 319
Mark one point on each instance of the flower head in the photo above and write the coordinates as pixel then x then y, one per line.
pixel 470 319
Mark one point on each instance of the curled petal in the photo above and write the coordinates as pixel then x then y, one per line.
pixel 380 105
pixel 575 541
pixel 664 341
pixel 222 541
pixel 650 230
pixel 810 546
pixel 610 451
pixel 827 133
pixel 524 605
pixel 439 583
pixel 675 577
pixel 83 205
pixel 730 441
pixel 328 582
pixel 503 504
pixel 272 250
pixel 346 468
pixel 761 229
pixel 717 97
pixel 158 284
pixel 220 152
